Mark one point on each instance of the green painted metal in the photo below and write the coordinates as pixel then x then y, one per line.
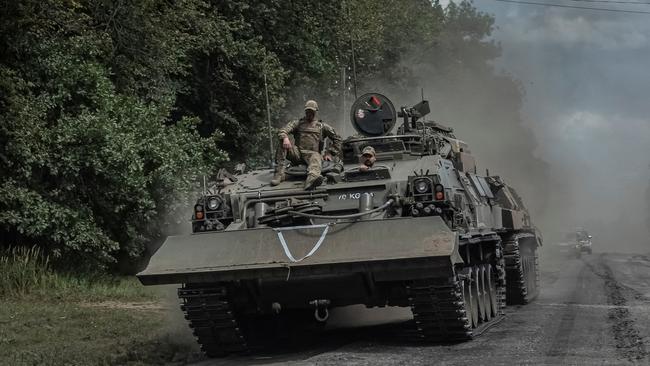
pixel 247 254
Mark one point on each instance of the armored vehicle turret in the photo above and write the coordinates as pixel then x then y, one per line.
pixel 420 228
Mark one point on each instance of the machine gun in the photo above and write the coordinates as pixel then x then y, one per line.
pixel 412 114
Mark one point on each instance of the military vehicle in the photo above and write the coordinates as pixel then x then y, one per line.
pixel 581 242
pixel 420 229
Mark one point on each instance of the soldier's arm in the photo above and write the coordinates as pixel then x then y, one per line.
pixel 335 146
pixel 288 129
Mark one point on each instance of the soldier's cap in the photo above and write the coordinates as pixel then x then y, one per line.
pixel 368 150
pixel 311 104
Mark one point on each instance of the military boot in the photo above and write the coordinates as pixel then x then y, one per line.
pixel 313 181
pixel 279 175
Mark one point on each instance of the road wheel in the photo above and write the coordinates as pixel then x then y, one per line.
pixel 490 290
pixel 480 293
pixel 472 300
pixel 469 299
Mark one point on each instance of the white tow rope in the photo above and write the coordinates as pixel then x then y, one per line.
pixel 313 250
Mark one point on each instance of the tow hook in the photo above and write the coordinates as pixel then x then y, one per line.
pixel 321 313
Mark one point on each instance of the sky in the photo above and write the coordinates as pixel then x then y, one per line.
pixel 585 75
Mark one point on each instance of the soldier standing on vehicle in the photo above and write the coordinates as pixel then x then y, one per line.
pixel 309 134
pixel 367 159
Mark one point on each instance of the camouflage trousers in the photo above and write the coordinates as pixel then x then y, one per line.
pixel 296 156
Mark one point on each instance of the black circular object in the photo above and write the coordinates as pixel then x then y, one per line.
pixel 214 202
pixel 373 114
pixel 421 185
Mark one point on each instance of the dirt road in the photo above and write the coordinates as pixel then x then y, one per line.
pixel 592 311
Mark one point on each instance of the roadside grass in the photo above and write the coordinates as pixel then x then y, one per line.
pixel 50 318
pixel 26 272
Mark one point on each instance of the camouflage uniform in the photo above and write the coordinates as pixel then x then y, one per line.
pixel 306 147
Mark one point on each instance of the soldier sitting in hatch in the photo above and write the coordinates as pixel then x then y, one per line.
pixel 367 159
pixel 309 134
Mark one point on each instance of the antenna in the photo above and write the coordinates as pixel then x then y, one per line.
pixel 422 92
pixel 354 61
pixel 343 109
pixel 354 67
pixel 268 120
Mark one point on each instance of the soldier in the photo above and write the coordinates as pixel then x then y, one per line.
pixel 367 159
pixel 309 134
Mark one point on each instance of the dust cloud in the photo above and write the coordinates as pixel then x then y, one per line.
pixel 560 114
pixel 586 105
pixel 176 330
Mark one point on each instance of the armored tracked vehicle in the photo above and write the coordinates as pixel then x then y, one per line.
pixel 420 229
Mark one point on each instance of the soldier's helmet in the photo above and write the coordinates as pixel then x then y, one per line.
pixel 311 104
pixel 368 151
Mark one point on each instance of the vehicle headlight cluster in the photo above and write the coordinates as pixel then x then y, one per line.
pixel 428 193
pixel 214 203
pixel 211 212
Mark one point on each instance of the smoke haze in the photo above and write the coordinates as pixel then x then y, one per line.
pixel 576 145
pixel 586 83
pixel 571 134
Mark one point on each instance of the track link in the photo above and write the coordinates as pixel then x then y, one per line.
pixel 212 320
pixel 522 270
pixel 440 310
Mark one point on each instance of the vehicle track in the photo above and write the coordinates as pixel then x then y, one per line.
pixel 559 347
pixel 522 285
pixel 629 343
pixel 212 320
pixel 465 307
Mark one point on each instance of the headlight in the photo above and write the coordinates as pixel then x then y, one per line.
pixel 214 203
pixel 421 186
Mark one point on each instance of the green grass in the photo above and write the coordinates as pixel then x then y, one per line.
pixel 50 318
pixel 45 333
pixel 23 270
pixel 26 272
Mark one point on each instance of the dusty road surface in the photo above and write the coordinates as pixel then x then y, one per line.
pixel 592 311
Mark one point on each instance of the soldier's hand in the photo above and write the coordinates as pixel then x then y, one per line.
pixel 363 168
pixel 286 143
pixel 327 157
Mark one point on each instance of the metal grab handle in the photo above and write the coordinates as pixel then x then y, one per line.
pixel 350 216
pixel 313 250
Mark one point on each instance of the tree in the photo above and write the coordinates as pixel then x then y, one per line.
pixel 110 109
pixel 88 172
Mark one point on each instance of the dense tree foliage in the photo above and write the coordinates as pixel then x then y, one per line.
pixel 90 161
pixel 110 109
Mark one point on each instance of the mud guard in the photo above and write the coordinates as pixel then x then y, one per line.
pixel 418 244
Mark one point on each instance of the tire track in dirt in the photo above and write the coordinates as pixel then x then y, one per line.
pixel 562 337
pixel 628 341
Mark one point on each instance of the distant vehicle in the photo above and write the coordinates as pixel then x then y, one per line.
pixel 420 229
pixel 580 242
